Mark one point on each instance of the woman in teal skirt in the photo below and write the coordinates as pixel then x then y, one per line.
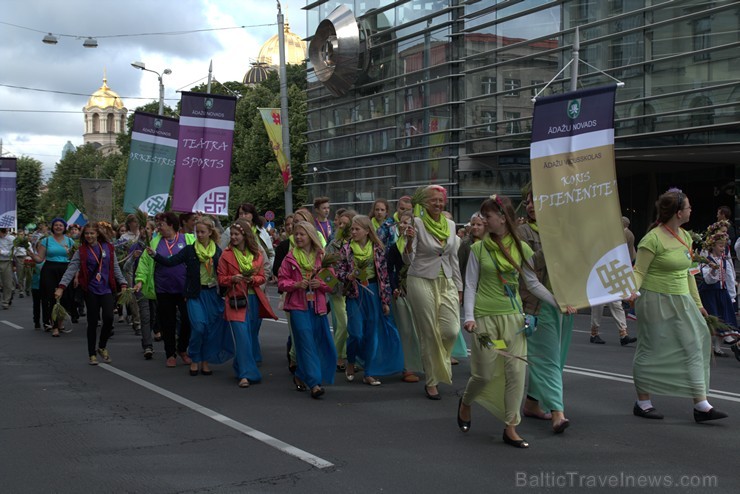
pixel 674 344
pixel 548 346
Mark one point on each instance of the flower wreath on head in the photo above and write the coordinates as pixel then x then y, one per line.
pixel 713 238
pixel 497 199
pixel 715 227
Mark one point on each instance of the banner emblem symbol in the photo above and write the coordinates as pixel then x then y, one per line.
pixel 574 108
pixel 208 103
pixel 157 123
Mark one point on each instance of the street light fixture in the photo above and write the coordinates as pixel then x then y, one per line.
pixel 90 43
pixel 142 66
pixel 50 39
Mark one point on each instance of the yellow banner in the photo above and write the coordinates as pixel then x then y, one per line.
pixel 274 127
pixel 576 199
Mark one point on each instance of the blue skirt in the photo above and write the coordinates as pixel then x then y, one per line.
pixel 210 338
pixel 316 354
pixel 373 339
pixel 718 303
pixel 244 364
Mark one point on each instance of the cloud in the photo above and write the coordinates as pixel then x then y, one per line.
pixel 68 67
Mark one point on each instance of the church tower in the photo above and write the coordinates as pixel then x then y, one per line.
pixel 105 118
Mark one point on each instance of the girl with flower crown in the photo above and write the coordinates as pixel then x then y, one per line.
pixel 434 286
pixel 305 302
pixel 718 290
pixel 241 273
pixel 373 337
pixel 209 339
pixel 493 307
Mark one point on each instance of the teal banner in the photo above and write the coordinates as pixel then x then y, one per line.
pixel 151 163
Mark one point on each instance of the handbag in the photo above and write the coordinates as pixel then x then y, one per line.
pixel 530 321
pixel 238 302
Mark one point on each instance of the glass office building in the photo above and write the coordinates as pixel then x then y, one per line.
pixel 440 92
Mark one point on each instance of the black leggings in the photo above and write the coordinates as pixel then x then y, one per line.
pixel 94 303
pixel 168 304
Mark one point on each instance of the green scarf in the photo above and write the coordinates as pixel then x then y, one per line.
pixel 401 243
pixel 205 254
pixel 244 259
pixel 396 218
pixel 534 227
pixel 375 223
pixel 363 255
pixel 306 261
pixel 439 229
pixel 504 265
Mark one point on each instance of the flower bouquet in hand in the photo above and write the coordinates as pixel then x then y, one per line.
pixel 487 343
pixel 324 273
pixel 361 270
pixel 126 297
pixel 716 325
pixel 58 313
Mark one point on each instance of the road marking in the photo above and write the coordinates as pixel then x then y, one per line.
pixel 244 429
pixel 611 376
pixel 12 325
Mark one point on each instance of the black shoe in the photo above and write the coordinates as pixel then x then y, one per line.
pixel 712 414
pixel 650 413
pixel 597 339
pixel 299 385
pixel 206 372
pixel 193 372
pixel 627 339
pixel 736 351
pixel 520 443
pixel 317 392
pixel 464 425
pixel 432 397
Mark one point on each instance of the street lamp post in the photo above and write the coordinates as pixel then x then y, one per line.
pixel 142 66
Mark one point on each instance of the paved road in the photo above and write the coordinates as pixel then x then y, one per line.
pixel 136 426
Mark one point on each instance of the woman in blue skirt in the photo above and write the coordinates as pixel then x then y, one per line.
pixel 373 337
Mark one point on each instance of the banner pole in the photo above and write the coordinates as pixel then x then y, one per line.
pixel 288 191
pixel 574 65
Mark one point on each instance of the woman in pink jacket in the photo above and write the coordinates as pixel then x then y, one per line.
pixel 305 303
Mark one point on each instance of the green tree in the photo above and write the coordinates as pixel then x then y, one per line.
pixel 28 190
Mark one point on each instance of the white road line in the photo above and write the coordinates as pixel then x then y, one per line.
pixel 244 429
pixel 12 325
pixel 611 376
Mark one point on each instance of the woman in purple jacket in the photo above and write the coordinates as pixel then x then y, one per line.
pixel 99 276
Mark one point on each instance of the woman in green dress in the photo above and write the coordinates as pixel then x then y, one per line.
pixel 493 308
pixel 674 343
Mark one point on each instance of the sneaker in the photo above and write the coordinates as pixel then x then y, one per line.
pixel 148 353
pixel 171 362
pixel 631 316
pixel 66 330
pixel 597 340
pixel 93 360
pixel 627 339
pixel 103 352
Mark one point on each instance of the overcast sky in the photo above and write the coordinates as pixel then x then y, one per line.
pixel 68 67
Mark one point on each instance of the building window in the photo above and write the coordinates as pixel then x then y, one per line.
pixel 511 86
pixel 489 118
pixel 488 85
pixel 701 38
pixel 512 122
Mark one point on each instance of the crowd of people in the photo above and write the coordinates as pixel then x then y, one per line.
pixel 381 295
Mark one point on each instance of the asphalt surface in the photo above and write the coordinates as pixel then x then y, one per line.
pixel 136 426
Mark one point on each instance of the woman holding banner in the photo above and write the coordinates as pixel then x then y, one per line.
pixel 493 313
pixel 548 346
pixel 674 347
pixel 434 286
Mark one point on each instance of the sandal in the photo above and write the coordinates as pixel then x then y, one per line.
pixel 371 381
pixel 244 383
pixel 55 333
pixel 299 386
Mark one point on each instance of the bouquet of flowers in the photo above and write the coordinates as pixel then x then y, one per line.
pixel 58 312
pixel 361 269
pixel 126 297
pixel 716 325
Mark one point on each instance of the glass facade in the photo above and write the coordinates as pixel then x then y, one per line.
pixel 445 87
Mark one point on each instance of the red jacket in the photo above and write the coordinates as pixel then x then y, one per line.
pixel 228 266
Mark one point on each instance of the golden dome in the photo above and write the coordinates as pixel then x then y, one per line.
pixel 104 97
pixel 295 49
